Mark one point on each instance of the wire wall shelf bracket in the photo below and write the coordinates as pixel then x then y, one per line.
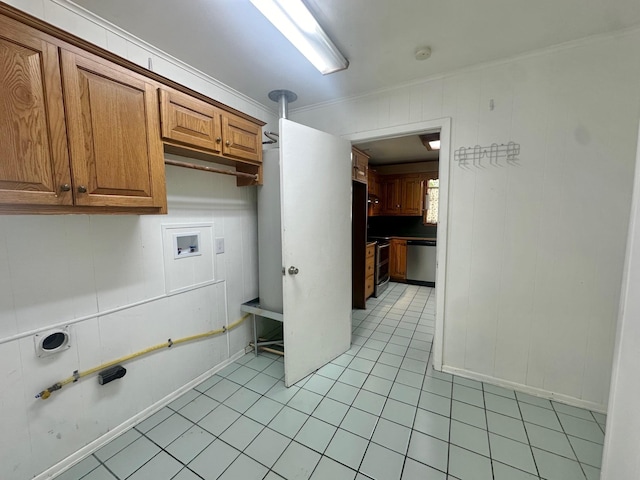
pixel 474 155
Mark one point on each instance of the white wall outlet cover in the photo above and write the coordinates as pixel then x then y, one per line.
pixel 52 341
pixel 219 245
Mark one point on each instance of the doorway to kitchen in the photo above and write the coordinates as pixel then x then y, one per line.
pixel 443 125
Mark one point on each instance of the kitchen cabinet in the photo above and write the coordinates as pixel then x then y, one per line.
pixel 112 121
pixel 369 269
pixel 34 161
pixel 360 165
pixel 193 123
pixel 81 129
pixel 77 130
pixel 398 259
pixel 402 194
pixel 374 197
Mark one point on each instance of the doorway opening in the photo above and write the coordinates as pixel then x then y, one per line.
pixel 443 125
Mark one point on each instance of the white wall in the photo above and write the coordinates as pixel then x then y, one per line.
pixel 622 442
pixel 536 248
pixel 57 269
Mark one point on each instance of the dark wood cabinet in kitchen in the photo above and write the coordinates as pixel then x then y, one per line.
pixel 398 259
pixel 402 194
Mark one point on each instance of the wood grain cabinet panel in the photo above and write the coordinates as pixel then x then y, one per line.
pixel 34 162
pixel 360 165
pixel 112 120
pixel 412 193
pixel 189 121
pixel 398 259
pixel 241 138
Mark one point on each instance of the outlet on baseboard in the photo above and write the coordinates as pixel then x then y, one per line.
pixel 219 245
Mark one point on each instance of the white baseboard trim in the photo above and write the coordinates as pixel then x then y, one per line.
pixel 84 452
pixel 537 392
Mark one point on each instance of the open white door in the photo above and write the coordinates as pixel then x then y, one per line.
pixel 315 175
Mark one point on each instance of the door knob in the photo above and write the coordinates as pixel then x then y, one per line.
pixel 82 189
pixel 65 187
pixel 293 270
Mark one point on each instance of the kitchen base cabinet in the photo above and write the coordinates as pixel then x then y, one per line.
pixel 369 282
pixel 398 260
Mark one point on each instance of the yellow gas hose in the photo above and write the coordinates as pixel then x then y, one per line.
pixel 46 393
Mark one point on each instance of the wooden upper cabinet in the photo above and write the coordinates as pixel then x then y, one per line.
pixel 392 195
pixel 412 193
pixel 112 121
pixel 241 138
pixel 34 162
pixel 360 165
pixel 190 121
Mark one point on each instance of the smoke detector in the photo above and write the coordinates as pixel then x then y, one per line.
pixel 422 53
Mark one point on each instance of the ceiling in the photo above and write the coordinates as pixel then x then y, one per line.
pixel 408 149
pixel 231 41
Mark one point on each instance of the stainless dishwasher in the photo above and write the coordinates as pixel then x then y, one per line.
pixel 421 262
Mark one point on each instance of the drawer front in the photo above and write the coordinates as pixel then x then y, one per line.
pixel 368 286
pixel 370 267
pixel 371 251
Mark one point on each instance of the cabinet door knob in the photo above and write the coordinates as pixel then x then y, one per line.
pixel 227 143
pixel 218 139
pixel 65 187
pixel 82 189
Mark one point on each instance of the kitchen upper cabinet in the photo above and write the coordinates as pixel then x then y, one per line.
pixel 375 199
pixel 398 259
pixel 199 125
pixel 412 195
pixel 402 194
pixel 34 162
pixel 112 120
pixel 360 165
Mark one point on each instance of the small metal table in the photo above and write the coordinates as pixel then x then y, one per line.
pixel 253 307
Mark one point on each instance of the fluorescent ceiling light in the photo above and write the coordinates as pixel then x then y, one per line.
pixel 434 144
pixel 431 141
pixel 296 23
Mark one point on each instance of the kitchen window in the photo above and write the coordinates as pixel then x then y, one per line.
pixel 431 215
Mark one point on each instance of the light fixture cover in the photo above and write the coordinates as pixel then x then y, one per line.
pixel 431 141
pixel 296 23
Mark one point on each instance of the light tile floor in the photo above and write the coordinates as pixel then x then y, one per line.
pixel 377 412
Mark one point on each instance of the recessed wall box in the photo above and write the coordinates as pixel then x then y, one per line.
pixel 52 341
pixel 186 244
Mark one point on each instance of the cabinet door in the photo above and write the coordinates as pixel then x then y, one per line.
pixel 398 259
pixel 391 189
pixel 241 138
pixel 412 194
pixel 34 161
pixel 113 125
pixel 360 166
pixel 189 121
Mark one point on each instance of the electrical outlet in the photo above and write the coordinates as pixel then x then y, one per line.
pixel 219 245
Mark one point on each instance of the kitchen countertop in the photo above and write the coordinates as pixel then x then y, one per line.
pixel 397 237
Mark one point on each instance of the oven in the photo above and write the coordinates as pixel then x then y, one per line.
pixel 381 274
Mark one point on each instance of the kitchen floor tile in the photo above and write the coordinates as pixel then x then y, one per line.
pixel 214 460
pixel 241 433
pixel 297 462
pixel 219 420
pixel 331 411
pixel 428 450
pixel 435 403
pixel 244 468
pixel 540 416
pixel 189 445
pixel 329 469
pixel 469 437
pixel 554 467
pixel 100 473
pixel 319 384
pixel 380 463
pixel 507 426
pixel 502 405
pixel 512 453
pixel 589 453
pixel 161 466
pixel 305 401
pixel 378 385
pixel 288 421
pixel 369 402
pixel 264 410
pixel 467 465
pixel 399 412
pixel 127 461
pixel 549 440
pixel 585 429
pixel 242 399
pixel 359 422
pixel 505 472
pixel 347 448
pixel 415 470
pixel 432 424
pixel 315 434
pixel 267 447
pixel 343 393
pixel 392 435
